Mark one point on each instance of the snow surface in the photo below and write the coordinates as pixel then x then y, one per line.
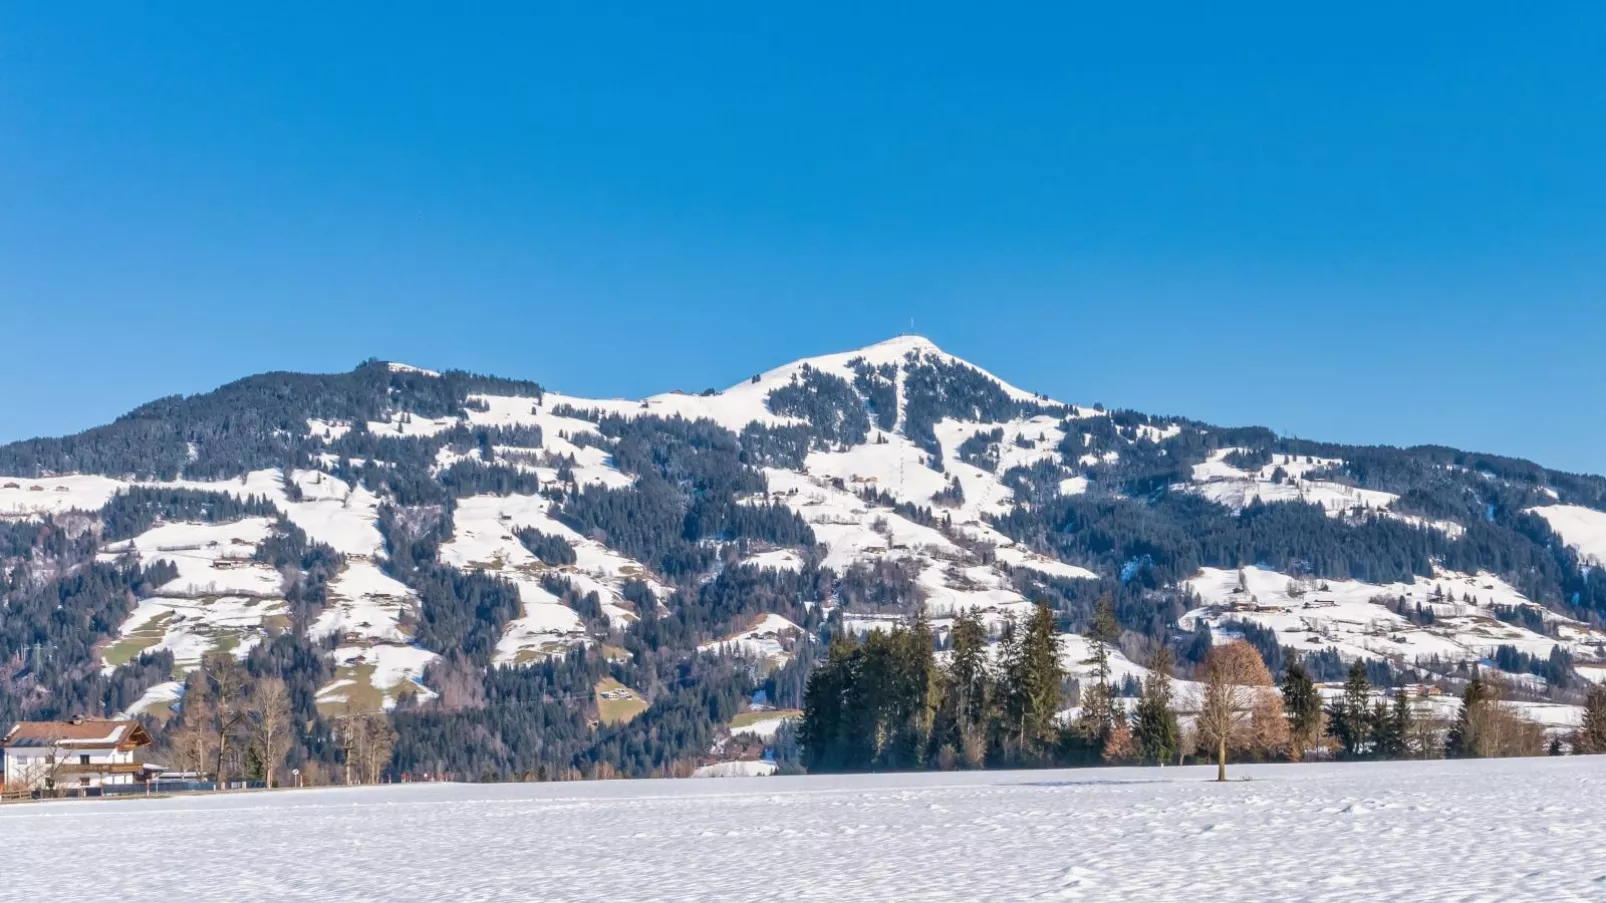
pixel 164 694
pixel 1515 830
pixel 746 768
pixel 398 367
pixel 22 498
pixel 765 728
pixel 212 559
pixel 1235 488
pixel 397 668
pixel 1315 614
pixel 854 530
pixel 1582 528
pixel 775 560
pixel 398 424
pixel 762 641
pixel 484 539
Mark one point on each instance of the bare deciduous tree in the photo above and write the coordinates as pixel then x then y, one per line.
pixel 378 740
pixel 226 684
pixel 1499 730
pixel 192 743
pixel 345 732
pixel 270 722
pixel 366 740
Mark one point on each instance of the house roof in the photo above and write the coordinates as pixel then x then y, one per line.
pixel 78 733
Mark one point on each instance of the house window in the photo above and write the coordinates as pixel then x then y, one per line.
pixel 83 760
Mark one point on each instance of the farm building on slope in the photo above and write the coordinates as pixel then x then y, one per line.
pixel 79 754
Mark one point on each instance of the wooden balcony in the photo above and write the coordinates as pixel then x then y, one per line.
pixel 76 768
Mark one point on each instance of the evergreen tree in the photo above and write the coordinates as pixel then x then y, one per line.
pixel 1386 742
pixel 1304 707
pixel 1462 741
pixel 822 732
pixel 1154 725
pixel 1101 712
pixel 871 703
pixel 912 696
pixel 1032 676
pixel 959 732
pixel 1590 738
pixel 1351 719
pixel 1391 727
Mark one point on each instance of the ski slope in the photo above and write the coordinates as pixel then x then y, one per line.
pixel 1515 831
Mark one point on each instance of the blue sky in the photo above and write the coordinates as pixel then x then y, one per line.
pixel 1369 223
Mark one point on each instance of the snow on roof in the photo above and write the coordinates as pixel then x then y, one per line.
pixel 79 733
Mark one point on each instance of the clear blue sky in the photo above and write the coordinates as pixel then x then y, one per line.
pixel 1373 223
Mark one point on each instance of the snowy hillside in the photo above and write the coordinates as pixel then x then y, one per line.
pixel 1363 620
pixel 399 525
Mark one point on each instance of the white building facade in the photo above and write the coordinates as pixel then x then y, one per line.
pixel 81 754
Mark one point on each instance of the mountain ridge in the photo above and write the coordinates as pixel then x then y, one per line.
pixel 429 542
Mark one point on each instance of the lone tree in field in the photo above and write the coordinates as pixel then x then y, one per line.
pixel 1238 711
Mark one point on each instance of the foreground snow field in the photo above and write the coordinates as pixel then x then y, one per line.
pixel 1512 830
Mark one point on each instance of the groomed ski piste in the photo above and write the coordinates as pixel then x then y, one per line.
pixel 1509 830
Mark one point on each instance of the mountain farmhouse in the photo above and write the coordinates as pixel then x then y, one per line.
pixel 81 754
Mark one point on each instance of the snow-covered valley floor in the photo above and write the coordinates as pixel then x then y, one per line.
pixel 1512 830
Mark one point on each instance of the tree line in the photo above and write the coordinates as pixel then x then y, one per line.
pixel 884 702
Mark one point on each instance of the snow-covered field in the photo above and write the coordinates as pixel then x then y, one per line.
pixel 1512 830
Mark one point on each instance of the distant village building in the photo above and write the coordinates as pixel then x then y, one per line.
pixel 81 754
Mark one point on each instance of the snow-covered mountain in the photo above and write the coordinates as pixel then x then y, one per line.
pixel 862 485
